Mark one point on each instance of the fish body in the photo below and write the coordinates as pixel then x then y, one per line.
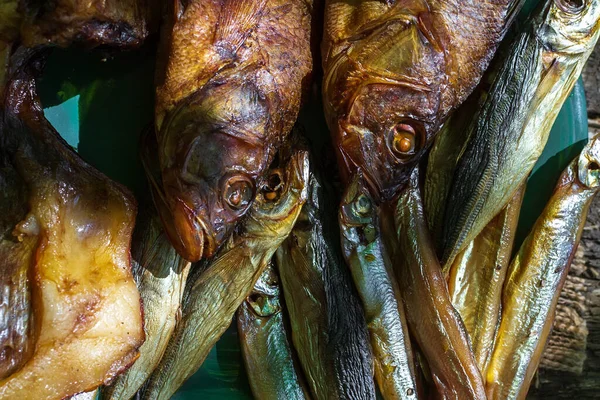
pixel 118 23
pixel 536 276
pixel 160 274
pixel 329 330
pixel 231 76
pixel 434 322
pixel 508 135
pixel 371 268
pixel 210 301
pixel 394 70
pixel 476 278
pixel 72 227
pixel 271 365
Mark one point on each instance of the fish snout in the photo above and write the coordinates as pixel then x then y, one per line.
pixel 191 236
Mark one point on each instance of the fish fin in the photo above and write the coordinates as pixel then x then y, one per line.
pixel 236 21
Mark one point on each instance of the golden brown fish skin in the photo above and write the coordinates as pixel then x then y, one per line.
pixel 271 364
pixel 160 274
pixel 87 311
pixel 210 301
pixel 536 276
pixel 233 76
pixel 117 23
pixel 394 70
pixel 476 278
pixel 433 321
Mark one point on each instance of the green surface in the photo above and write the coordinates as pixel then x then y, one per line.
pixel 101 103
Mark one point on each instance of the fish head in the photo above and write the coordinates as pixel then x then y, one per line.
pixel 264 298
pixel 385 101
pixel 358 213
pixel 212 157
pixel 280 199
pixel 385 133
pixel 588 167
pixel 570 26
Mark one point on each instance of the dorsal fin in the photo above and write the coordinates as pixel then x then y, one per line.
pixel 237 20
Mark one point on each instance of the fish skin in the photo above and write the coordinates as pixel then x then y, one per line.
pixel 536 276
pixel 87 316
pixel 272 367
pixel 210 301
pixel 394 70
pixel 117 23
pixel 231 74
pixel 160 275
pixel 371 268
pixel 529 85
pixel 477 275
pixel 433 321
pixel 329 331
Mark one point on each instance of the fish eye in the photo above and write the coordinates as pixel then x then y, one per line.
pixel 403 140
pixel 362 205
pixel 238 192
pixel 273 186
pixel 571 6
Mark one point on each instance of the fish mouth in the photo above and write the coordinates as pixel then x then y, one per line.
pixel 192 233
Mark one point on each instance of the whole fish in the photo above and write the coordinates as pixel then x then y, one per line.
pixel 210 301
pixel 476 277
pixel 394 70
pixel 227 96
pixel 536 276
pixel 160 275
pixel 72 226
pixel 530 84
pixel 273 371
pixel 329 330
pixel 370 264
pixel 118 23
pixel 433 321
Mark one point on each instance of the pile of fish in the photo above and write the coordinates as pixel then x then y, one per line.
pixel 394 275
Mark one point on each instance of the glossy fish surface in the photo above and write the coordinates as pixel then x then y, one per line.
pixel 476 277
pixel 210 301
pixel 530 84
pixel 371 269
pixel 536 276
pixel 271 365
pixel 433 321
pixel 231 76
pixel 118 23
pixel 160 275
pixel 329 330
pixel 72 229
pixel 394 70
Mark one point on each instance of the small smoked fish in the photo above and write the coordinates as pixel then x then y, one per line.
pixel 231 76
pixel 536 276
pixel 433 321
pixel 371 269
pixel 530 84
pixel 329 330
pixel 272 367
pixel 210 302
pixel 72 227
pixel 476 277
pixel 160 275
pixel 394 70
